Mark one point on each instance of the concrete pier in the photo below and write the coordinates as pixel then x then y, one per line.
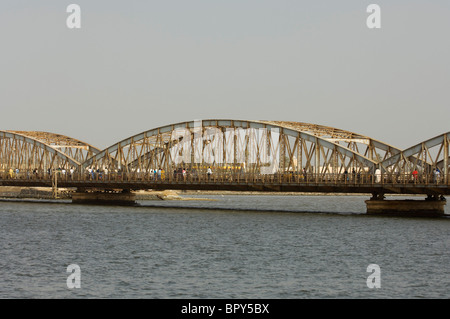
pixel 426 208
pixel 123 198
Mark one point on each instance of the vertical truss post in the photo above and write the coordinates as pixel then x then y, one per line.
pixel 317 158
pixel 55 184
pixel 445 168
pixel 282 143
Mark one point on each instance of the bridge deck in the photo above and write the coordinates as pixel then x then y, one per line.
pixel 332 183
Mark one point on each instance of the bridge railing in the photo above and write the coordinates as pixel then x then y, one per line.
pixel 228 177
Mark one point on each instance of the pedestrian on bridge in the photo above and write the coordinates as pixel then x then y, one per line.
pixel 415 174
pixel 437 174
pixel 378 175
pixel 209 172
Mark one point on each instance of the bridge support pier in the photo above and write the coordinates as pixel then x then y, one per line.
pixel 431 206
pixel 120 198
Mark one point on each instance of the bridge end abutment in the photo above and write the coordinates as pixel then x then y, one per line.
pixel 432 206
pixel 95 197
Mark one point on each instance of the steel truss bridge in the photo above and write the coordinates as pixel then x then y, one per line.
pixel 242 155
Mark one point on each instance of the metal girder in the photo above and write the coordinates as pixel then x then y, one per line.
pixel 56 140
pixel 78 150
pixel 333 134
pixel 413 150
pixel 241 152
pixel 295 144
pixel 223 124
pixel 41 145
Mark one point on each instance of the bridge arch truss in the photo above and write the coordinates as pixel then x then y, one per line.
pixel 267 153
pixel 429 158
pixel 244 147
pixel 39 152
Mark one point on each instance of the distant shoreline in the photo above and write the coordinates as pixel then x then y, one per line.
pixel 214 192
pixel 46 193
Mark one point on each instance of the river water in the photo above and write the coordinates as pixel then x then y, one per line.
pixel 282 247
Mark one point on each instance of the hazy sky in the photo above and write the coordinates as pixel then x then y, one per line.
pixel 136 65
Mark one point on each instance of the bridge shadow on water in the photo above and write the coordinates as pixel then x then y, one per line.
pixel 348 206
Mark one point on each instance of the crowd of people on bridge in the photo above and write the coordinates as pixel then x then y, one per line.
pixel 183 174
pixel 105 174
